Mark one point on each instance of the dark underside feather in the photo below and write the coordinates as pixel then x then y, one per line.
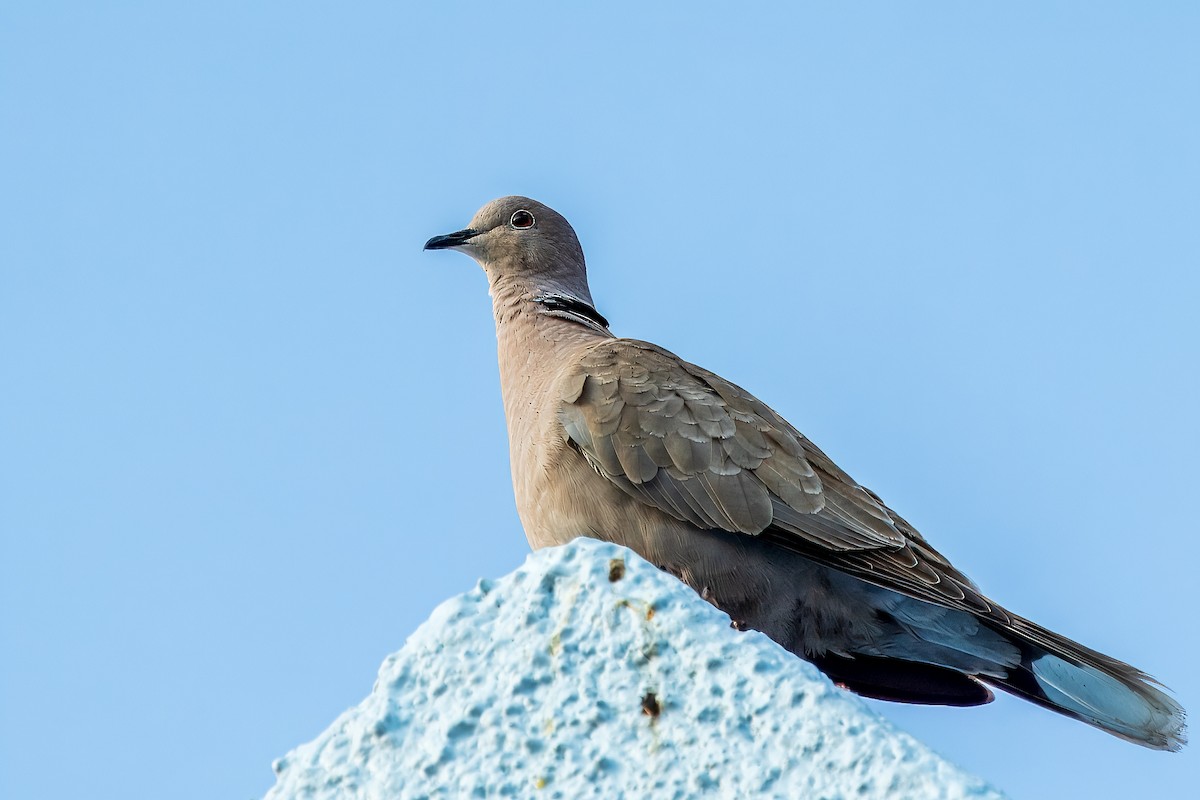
pixel 903 681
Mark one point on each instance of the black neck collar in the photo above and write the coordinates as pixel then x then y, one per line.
pixel 567 306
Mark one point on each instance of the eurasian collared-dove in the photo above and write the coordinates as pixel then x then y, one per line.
pixel 618 439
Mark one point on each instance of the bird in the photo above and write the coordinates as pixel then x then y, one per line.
pixel 621 440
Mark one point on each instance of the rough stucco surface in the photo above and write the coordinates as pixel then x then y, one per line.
pixel 589 673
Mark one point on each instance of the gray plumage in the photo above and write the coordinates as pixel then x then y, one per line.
pixel 621 440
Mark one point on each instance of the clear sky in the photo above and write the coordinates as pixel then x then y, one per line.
pixel 250 435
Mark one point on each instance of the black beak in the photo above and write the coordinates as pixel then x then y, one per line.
pixel 450 239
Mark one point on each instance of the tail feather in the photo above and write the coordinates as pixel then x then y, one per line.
pixel 1067 677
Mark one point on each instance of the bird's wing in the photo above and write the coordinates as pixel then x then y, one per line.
pixel 686 441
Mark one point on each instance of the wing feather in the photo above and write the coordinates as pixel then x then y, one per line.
pixel 703 450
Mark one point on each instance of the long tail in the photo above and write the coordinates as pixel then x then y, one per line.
pixel 1067 677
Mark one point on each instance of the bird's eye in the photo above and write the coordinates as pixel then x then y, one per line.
pixel 521 220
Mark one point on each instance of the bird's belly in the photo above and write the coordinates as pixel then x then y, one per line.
pixel 575 503
pixel 802 605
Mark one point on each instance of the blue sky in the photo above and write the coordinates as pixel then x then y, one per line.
pixel 250 435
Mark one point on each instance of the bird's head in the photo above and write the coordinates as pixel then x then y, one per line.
pixel 517 238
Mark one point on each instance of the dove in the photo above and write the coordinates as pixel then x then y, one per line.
pixel 621 440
